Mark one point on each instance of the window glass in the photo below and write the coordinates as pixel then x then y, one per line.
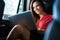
pixel 21 6
pixel 11 8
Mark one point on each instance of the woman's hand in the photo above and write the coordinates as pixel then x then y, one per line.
pixel 41 31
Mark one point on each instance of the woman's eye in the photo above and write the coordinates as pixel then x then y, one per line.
pixel 38 7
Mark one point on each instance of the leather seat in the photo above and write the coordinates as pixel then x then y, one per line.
pixel 53 30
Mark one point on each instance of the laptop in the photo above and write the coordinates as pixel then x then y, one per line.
pixel 25 18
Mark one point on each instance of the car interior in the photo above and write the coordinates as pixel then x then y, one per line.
pixel 52 7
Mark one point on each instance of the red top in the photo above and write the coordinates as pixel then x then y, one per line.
pixel 43 23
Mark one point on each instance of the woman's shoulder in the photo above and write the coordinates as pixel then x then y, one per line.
pixel 48 16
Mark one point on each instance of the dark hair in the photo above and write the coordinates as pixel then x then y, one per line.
pixel 36 16
pixel 49 6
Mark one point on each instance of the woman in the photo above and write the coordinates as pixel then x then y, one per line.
pixel 42 20
pixel 41 17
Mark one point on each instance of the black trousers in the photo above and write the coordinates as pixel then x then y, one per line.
pixel 35 35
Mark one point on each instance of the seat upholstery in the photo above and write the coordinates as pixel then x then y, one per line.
pixel 53 30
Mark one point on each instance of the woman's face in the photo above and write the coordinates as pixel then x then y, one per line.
pixel 37 7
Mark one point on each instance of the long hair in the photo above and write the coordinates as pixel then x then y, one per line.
pixel 36 16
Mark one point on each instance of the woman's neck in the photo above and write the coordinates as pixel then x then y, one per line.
pixel 42 14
